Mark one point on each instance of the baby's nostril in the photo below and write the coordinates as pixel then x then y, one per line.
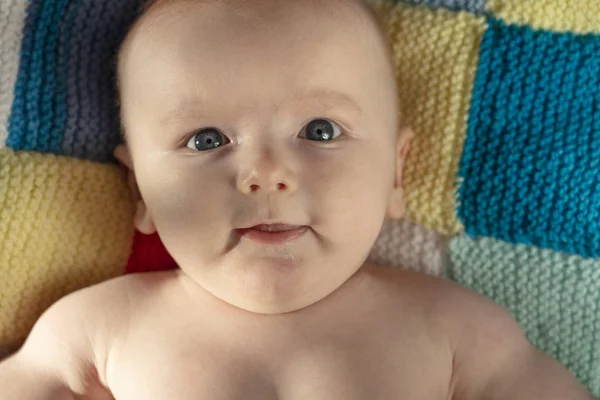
pixel 281 186
pixel 253 188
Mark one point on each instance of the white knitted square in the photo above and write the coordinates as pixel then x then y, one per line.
pixel 12 19
pixel 402 243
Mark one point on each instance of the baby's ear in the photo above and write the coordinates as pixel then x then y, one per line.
pixel 396 204
pixel 142 220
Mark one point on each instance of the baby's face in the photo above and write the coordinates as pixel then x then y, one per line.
pixel 274 112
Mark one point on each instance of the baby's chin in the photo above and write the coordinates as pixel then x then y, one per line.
pixel 269 286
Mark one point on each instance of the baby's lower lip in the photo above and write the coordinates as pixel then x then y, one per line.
pixel 266 237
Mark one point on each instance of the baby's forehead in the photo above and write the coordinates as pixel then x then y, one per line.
pixel 180 47
pixel 200 23
pixel 159 17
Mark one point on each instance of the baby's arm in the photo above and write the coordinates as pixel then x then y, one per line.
pixel 55 363
pixel 493 359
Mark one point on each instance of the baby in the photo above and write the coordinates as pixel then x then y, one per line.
pixel 264 145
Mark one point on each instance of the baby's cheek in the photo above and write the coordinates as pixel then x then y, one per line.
pixel 187 208
pixel 353 196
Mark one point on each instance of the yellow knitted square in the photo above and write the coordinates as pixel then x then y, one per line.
pixel 64 224
pixel 436 53
pixel 577 16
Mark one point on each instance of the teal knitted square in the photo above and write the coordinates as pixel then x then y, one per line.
pixel 65 93
pixel 474 6
pixel 554 296
pixel 530 169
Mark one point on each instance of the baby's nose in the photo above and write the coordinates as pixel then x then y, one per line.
pixel 278 187
pixel 257 182
pixel 267 174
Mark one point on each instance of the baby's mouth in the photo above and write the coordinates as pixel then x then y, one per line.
pixel 275 227
pixel 272 233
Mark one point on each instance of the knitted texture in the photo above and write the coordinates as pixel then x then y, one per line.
pixel 576 16
pixel 475 6
pixel 65 100
pixel 6 351
pixel 531 163
pixel 554 296
pixel 402 243
pixel 435 52
pixel 64 224
pixel 12 19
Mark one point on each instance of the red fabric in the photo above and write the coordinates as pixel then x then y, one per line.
pixel 149 254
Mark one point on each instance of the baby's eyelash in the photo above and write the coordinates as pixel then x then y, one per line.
pixel 322 129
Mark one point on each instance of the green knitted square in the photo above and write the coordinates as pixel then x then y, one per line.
pixel 554 296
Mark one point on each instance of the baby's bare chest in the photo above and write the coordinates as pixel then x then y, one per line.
pixel 176 361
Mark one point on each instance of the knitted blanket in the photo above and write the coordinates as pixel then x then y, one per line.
pixel 502 181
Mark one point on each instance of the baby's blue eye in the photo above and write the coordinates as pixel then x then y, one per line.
pixel 322 130
pixel 207 139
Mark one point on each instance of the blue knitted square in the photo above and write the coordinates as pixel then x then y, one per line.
pixel 530 170
pixel 65 100
pixel 474 6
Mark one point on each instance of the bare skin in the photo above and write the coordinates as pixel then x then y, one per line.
pixel 304 319
pixel 346 346
pixel 385 334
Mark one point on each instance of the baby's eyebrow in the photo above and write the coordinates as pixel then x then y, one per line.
pixel 320 98
pixel 324 99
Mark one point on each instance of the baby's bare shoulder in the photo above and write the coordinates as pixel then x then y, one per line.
pixel 113 299
pixel 100 311
pixel 490 352
pixel 72 339
pixel 432 294
pixel 456 311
